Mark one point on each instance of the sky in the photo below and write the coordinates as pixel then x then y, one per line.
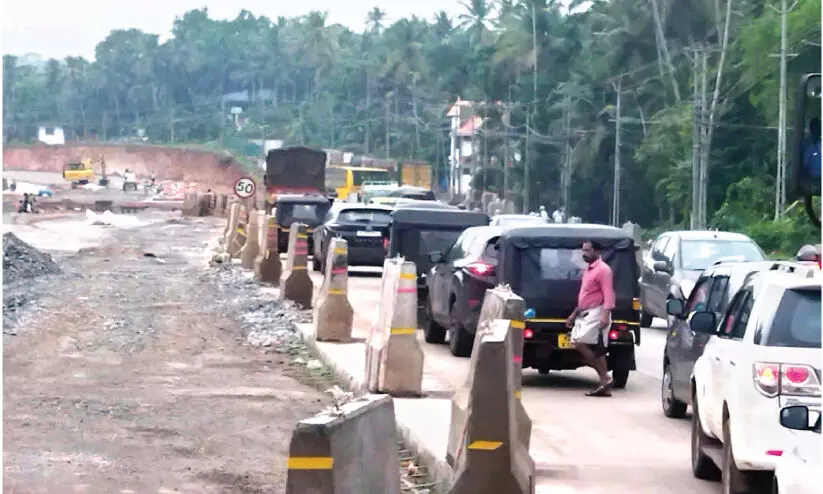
pixel 60 28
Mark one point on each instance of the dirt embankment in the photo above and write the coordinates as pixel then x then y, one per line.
pixel 185 165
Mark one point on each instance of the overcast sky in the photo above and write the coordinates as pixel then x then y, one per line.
pixel 60 28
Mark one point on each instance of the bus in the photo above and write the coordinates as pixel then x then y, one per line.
pixel 347 180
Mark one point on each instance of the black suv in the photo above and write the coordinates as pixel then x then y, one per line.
pixel 712 292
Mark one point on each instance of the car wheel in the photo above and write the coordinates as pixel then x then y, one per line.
pixel 672 407
pixel 702 466
pixel 433 332
pixel 621 366
pixel 460 340
pixel 646 319
pixel 734 481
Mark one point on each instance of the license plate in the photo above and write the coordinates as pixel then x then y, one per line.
pixel 369 234
pixel 563 341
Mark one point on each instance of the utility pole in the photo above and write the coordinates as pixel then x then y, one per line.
pixel 506 151
pixel 526 162
pixel 696 115
pixel 616 186
pixel 704 135
pixel 566 173
pixel 388 139
pixel 534 48
pixel 485 163
pixel 780 183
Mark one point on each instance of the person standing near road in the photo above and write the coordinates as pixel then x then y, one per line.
pixel 591 319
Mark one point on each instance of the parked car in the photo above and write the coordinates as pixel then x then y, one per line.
pixel 712 292
pixel 763 356
pixel 456 285
pixel 364 228
pixel 676 260
pixel 411 192
pixel 517 220
pixel 307 209
pixel 797 468
pixel 416 232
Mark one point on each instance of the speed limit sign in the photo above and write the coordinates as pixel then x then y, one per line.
pixel 245 187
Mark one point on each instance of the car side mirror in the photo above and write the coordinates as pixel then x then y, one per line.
pixel 662 267
pixel 674 307
pixel 704 322
pixel 436 257
pixel 795 417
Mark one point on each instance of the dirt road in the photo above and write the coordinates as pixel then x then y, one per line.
pixel 134 376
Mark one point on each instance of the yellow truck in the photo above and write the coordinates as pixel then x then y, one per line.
pixel 81 172
pixel 416 174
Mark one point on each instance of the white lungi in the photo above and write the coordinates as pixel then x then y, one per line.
pixel 587 327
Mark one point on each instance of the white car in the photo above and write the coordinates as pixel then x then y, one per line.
pixel 798 469
pixel 764 355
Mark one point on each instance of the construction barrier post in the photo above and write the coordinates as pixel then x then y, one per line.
pixel 499 302
pixel 239 238
pixel 296 285
pixel 249 252
pixel 350 451
pixel 394 359
pixel 267 267
pixel 490 457
pixel 203 202
pixel 231 223
pixel 333 315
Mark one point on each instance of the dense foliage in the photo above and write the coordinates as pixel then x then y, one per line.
pixel 386 91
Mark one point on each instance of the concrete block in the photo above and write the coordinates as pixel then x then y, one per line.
pixel 238 239
pixel 233 214
pixel 490 457
pixel 333 314
pixel 267 267
pixel 394 359
pixel 352 452
pixel 498 303
pixel 250 251
pixel 296 285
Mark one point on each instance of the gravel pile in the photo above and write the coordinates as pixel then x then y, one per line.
pixel 21 261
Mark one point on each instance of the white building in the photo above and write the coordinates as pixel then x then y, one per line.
pixel 464 125
pixel 52 136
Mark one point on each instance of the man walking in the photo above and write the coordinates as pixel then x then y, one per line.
pixel 591 320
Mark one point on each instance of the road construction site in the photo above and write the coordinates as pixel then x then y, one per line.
pixel 160 363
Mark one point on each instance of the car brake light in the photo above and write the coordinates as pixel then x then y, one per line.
pixel 528 333
pixel 785 379
pixel 613 335
pixel 385 243
pixel 774 452
pixel 636 304
pixel 621 327
pixel 480 268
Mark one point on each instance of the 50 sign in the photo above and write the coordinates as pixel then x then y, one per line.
pixel 245 187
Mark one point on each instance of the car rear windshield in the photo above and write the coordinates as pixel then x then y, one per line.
pixel 697 255
pixel 797 320
pixel 290 213
pixel 365 216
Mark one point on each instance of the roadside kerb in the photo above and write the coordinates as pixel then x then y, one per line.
pixel 333 315
pixel 321 459
pixel 249 252
pixel 267 267
pixel 296 285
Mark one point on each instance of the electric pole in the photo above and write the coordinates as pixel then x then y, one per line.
pixel 704 136
pixel 388 139
pixel 696 115
pixel 566 173
pixel 780 183
pixel 534 49
pixel 526 163
pixel 506 122
pixel 616 186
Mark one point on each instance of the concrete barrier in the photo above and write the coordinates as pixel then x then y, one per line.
pixel 203 204
pixel 351 452
pixel 333 315
pixel 249 252
pixel 296 285
pixel 500 303
pixel 185 208
pixel 490 457
pixel 222 204
pixel 394 359
pixel 267 267
pixel 103 206
pixel 238 234
pixel 232 215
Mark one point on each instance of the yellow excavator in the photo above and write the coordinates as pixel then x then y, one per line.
pixel 82 172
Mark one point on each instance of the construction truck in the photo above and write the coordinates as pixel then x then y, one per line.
pixel 416 174
pixel 294 170
pixel 82 172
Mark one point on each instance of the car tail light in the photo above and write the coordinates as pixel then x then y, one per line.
pixel 636 304
pixel 774 452
pixel 620 327
pixel 613 335
pixel 528 333
pixel 385 243
pixel 480 269
pixel 785 379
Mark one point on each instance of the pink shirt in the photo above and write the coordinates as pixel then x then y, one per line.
pixel 596 288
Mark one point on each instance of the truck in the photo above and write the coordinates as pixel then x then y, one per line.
pixel 81 171
pixel 295 170
pixel 416 174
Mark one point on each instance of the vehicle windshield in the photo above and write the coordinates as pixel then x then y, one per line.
pixel 361 176
pixel 311 214
pixel 437 240
pixel 697 255
pixel 797 320
pixel 365 216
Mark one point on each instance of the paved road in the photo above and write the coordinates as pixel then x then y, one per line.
pixel 618 445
